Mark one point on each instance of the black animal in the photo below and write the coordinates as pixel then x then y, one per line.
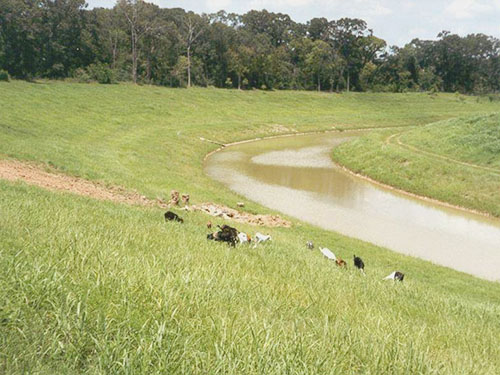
pixel 399 276
pixel 225 234
pixel 358 263
pixel 171 216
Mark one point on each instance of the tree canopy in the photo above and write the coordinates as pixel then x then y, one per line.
pixel 141 42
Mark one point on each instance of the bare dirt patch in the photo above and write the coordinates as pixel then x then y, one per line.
pixel 33 174
pixel 228 213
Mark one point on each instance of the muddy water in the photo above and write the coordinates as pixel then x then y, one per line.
pixel 296 176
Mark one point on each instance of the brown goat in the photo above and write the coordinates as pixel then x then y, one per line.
pixel 340 262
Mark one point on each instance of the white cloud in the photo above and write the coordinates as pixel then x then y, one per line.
pixel 469 8
pixel 277 4
pixel 380 10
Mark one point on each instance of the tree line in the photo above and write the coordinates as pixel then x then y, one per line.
pixel 141 42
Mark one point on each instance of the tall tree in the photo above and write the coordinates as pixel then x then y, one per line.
pixel 345 35
pixel 319 61
pixel 140 41
pixel 141 19
pixel 239 61
pixel 192 27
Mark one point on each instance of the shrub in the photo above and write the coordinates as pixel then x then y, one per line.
pixel 81 75
pixel 101 73
pixel 4 76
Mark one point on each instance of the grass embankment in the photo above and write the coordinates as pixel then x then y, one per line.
pixel 456 161
pixel 96 287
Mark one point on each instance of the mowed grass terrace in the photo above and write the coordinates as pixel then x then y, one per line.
pixel 455 161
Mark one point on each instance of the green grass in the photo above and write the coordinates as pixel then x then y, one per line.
pixel 148 137
pixel 94 287
pixel 474 140
pixel 456 161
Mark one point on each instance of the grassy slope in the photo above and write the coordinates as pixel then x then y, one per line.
pixel 473 140
pixel 148 137
pixel 93 287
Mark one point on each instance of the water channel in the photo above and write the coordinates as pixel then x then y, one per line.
pixel 296 176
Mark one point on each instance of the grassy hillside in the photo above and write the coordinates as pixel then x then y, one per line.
pixel 456 161
pixel 148 137
pixel 95 287
pixel 474 140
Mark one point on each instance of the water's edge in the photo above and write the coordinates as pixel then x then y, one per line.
pixel 347 169
pixel 297 176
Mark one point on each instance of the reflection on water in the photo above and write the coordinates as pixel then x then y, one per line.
pixel 297 177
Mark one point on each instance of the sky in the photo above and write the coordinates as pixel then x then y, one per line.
pixel 396 21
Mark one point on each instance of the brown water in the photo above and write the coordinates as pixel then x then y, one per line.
pixel 295 175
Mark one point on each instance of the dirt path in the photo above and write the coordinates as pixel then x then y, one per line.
pixel 397 138
pixel 33 174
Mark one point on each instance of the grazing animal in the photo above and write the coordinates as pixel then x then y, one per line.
pixel 209 225
pixel 244 238
pixel 225 234
pixel 310 245
pixel 358 263
pixel 340 262
pixel 171 216
pixel 185 199
pixel 396 275
pixel 259 237
pixel 327 253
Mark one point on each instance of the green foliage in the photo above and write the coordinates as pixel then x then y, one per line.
pixel 180 71
pixel 144 43
pixel 82 76
pixel 4 76
pixel 101 73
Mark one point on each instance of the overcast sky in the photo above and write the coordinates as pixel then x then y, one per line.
pixel 396 21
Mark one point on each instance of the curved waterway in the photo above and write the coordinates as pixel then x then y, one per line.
pixel 296 176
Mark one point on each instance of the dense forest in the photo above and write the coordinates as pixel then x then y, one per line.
pixel 140 42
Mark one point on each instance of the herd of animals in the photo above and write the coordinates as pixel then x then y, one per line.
pixel 232 236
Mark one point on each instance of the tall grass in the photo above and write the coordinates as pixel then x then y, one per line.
pixel 93 287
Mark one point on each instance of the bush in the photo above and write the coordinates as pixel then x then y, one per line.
pixel 101 73
pixel 4 76
pixel 82 76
